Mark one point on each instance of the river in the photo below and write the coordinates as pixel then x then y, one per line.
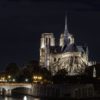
pixel 19 98
pixel 23 97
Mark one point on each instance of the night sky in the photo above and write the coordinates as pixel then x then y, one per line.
pixel 23 22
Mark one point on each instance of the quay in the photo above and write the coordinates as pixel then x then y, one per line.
pixel 49 90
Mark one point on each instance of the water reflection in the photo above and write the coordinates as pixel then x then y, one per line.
pixel 36 98
pixel 25 98
pixel 19 98
pixel 7 98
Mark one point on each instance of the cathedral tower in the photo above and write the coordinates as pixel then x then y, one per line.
pixel 47 40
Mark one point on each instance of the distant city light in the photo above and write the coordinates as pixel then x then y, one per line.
pixel 9 76
pixel 37 78
pixel 40 77
pixel 26 80
pixel 14 80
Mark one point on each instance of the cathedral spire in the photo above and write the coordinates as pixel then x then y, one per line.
pixel 66 27
pixel 68 39
pixel 66 33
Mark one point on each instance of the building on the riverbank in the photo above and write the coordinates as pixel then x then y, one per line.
pixel 64 55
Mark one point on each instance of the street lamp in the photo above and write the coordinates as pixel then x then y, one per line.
pixel 9 76
pixel 26 80
pixel 37 78
pixel 14 80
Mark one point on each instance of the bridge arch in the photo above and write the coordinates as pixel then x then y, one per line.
pixel 8 87
pixel 21 88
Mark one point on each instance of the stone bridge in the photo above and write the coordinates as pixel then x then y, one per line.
pixel 8 87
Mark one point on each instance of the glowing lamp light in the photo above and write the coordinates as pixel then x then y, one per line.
pixel 35 77
pixel 14 80
pixel 40 77
pixel 9 76
pixel 26 80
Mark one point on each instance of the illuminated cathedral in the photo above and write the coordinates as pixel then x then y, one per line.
pixel 64 55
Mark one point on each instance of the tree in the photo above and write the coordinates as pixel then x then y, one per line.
pixel 46 73
pixel 60 76
pixel 27 72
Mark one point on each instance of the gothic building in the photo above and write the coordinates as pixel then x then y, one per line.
pixel 65 55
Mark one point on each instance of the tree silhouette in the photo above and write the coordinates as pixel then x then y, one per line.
pixel 60 76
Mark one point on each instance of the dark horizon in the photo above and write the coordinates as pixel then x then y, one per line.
pixel 23 22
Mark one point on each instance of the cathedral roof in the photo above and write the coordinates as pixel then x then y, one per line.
pixel 80 49
pixel 55 49
pixel 70 48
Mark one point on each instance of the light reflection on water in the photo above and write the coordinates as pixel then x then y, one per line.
pixel 25 98
pixel 19 98
pixel 36 98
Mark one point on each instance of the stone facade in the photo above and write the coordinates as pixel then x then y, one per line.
pixel 64 55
